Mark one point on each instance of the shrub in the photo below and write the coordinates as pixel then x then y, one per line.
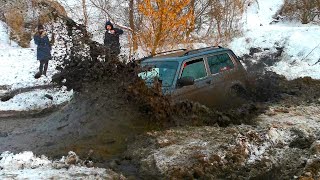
pixel 305 11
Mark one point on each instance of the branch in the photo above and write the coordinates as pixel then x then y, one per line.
pixel 111 19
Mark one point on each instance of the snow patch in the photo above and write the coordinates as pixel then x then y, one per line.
pixel 301 56
pixel 36 100
pixel 26 165
pixel 5 41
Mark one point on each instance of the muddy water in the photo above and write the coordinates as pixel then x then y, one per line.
pixel 96 120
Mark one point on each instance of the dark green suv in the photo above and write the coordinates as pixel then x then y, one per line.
pixel 203 75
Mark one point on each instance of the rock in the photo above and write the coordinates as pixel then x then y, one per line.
pixel 308 174
pixel 2 92
pixel 279 51
pixel 59 165
pixel 88 164
pixel 6 97
pixel 48 96
pixel 254 51
pixel 72 158
pixel 164 142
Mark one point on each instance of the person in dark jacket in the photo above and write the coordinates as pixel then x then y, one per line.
pixel 111 39
pixel 43 49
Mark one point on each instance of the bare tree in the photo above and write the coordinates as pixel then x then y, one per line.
pixel 132 25
pixel 85 13
pixel 304 10
pixel 218 20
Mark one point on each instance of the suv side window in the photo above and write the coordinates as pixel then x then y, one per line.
pixel 195 69
pixel 219 63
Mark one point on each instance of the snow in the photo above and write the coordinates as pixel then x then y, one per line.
pixel 301 43
pixel 26 165
pixel 261 13
pixel 36 100
pixel 280 125
pixel 18 67
pixel 4 37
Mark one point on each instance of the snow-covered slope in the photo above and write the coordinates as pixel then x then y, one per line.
pixel 4 37
pixel 18 67
pixel 301 56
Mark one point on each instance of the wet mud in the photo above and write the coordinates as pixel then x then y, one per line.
pixel 112 106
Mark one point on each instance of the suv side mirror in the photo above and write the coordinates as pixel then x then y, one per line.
pixel 185 81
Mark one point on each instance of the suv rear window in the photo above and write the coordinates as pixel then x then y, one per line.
pixel 219 63
pixel 195 69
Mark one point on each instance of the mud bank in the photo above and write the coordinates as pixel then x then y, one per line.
pixel 274 134
pixel 280 146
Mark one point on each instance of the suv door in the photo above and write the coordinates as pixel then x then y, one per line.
pixel 197 69
pixel 222 69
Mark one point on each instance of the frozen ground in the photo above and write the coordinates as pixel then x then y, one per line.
pixel 27 165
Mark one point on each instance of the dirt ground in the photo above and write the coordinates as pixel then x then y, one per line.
pixel 139 132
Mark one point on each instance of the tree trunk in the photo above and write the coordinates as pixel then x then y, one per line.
pixel 192 23
pixel 158 33
pixel 132 25
pixel 85 13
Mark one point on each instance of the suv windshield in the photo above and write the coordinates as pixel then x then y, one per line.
pixel 164 71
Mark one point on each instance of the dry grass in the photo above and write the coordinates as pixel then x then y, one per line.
pixel 45 15
pixel 21 27
pixel 15 20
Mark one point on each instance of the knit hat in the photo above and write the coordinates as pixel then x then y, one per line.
pixel 109 23
pixel 40 26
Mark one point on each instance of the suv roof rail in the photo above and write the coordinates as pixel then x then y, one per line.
pixel 164 52
pixel 175 50
pixel 202 49
pixel 187 52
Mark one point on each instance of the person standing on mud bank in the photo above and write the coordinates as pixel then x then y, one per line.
pixel 43 50
pixel 111 39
